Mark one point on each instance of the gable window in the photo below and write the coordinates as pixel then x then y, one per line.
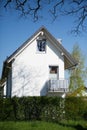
pixel 41 45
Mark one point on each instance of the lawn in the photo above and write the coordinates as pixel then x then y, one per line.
pixel 40 125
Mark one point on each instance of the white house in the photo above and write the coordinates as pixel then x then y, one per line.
pixel 37 67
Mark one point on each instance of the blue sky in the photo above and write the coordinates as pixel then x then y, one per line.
pixel 15 30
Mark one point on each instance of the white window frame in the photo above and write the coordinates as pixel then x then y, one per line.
pixel 38 50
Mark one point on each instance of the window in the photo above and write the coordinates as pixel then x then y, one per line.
pixel 53 69
pixel 41 45
pixel 54 72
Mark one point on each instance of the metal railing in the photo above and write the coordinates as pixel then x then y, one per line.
pixel 58 85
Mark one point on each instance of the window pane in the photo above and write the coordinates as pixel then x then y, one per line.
pixel 41 45
pixel 53 69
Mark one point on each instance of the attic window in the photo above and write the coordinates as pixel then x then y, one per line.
pixel 41 45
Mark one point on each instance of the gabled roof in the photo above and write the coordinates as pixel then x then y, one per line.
pixel 68 59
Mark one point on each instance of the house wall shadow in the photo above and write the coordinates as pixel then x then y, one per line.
pixel 44 89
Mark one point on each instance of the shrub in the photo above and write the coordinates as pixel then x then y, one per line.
pixel 43 108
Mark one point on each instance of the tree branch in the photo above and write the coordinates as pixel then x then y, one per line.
pixel 7 3
pixel 54 12
pixel 78 1
pixel 20 5
pixel 77 8
pixel 81 13
pixel 35 10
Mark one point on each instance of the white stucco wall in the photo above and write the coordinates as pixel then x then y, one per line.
pixel 30 70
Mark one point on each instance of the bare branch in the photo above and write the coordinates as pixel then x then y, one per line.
pixel 54 12
pixel 57 8
pixel 78 1
pixel 8 1
pixel 20 5
pixel 35 10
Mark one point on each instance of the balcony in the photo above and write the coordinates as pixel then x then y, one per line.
pixel 58 86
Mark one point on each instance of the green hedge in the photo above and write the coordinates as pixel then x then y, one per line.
pixel 43 108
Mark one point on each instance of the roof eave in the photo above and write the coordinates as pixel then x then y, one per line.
pixel 70 62
pixel 66 54
pixel 5 70
pixel 25 44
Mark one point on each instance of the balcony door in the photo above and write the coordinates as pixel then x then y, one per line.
pixel 54 72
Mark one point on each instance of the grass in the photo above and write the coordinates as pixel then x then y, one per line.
pixel 41 125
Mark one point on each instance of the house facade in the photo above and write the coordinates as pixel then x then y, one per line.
pixel 37 67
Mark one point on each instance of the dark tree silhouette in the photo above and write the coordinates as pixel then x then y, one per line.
pixel 33 8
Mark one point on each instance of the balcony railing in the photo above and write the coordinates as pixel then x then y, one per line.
pixel 58 85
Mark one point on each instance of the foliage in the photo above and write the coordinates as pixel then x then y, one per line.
pixel 77 92
pixel 6 109
pixel 34 9
pixel 75 108
pixel 78 74
pixel 52 109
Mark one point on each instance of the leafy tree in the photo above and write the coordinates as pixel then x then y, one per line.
pixel 77 92
pixel 39 8
pixel 78 74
